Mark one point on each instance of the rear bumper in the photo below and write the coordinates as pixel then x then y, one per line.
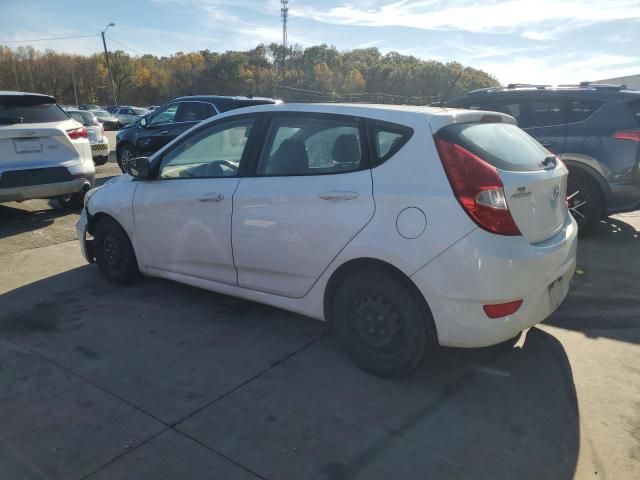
pixel 100 149
pixel 483 269
pixel 48 190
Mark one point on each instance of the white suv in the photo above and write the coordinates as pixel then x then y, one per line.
pixel 43 152
pixel 407 227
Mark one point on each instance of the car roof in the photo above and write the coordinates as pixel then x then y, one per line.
pixel 211 98
pixel 585 89
pixel 8 93
pixel 437 117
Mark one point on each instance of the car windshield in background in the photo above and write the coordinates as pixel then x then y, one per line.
pixel 101 113
pixel 139 111
pixel 82 117
pixel 25 109
pixel 504 146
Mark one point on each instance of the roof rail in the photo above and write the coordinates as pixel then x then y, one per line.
pixel 602 86
pixel 530 85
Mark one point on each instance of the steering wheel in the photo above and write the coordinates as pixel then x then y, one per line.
pixel 226 163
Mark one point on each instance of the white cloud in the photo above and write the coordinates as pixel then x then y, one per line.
pixel 500 16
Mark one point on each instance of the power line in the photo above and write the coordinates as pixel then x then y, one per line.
pixel 125 46
pixel 47 39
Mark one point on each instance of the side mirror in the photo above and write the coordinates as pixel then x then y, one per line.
pixel 143 122
pixel 139 167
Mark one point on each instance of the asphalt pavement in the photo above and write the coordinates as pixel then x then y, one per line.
pixel 161 380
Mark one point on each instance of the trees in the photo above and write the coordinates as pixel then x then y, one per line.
pixel 315 73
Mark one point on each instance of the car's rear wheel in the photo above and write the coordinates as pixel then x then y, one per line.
pixel 114 253
pixel 72 201
pixel 125 155
pixel 101 160
pixel 383 326
pixel 585 201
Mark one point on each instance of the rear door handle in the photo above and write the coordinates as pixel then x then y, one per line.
pixel 164 132
pixel 338 195
pixel 211 197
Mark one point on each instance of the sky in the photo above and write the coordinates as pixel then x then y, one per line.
pixel 517 41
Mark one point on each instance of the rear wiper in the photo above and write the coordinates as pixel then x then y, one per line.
pixel 549 159
pixel 11 120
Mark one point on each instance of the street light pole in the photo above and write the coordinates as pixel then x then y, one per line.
pixel 106 54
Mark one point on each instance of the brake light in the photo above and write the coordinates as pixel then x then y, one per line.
pixel 76 133
pixel 633 135
pixel 502 309
pixel 477 187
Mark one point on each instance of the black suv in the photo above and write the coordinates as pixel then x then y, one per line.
pixel 151 133
pixel 594 128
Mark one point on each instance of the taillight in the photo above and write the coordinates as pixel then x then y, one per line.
pixel 477 187
pixel 633 135
pixel 502 309
pixel 76 133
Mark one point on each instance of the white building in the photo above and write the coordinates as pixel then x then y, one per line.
pixel 631 81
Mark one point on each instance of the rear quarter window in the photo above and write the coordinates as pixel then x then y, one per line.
pixel 635 110
pixel 504 146
pixel 386 139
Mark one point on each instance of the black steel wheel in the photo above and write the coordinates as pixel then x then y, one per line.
pixel 114 253
pixel 382 324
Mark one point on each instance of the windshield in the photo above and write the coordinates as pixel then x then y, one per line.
pixel 19 109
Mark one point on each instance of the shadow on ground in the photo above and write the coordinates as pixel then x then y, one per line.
pixel 270 391
pixel 603 300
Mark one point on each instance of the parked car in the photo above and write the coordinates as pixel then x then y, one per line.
pixel 108 121
pixel 95 134
pixel 173 118
pixel 406 227
pixel 111 108
pixel 595 129
pixel 85 106
pixel 43 152
pixel 127 115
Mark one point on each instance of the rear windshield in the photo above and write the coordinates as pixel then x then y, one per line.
pixel 25 109
pixel 82 117
pixel 635 109
pixel 503 145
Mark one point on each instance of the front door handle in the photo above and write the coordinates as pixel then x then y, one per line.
pixel 164 132
pixel 338 195
pixel 211 197
pixel 548 143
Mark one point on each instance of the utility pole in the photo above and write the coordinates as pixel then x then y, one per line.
pixel 106 54
pixel 284 12
pixel 75 92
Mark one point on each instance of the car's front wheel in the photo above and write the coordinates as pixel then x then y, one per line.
pixel 383 326
pixel 125 155
pixel 72 201
pixel 114 253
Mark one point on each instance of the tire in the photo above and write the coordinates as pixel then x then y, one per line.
pixel 382 325
pixel 585 201
pixel 73 201
pixel 114 253
pixel 101 160
pixel 125 155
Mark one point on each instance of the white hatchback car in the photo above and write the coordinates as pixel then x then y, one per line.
pixel 407 227
pixel 95 133
pixel 43 152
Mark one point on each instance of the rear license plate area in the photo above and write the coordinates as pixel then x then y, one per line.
pixel 27 145
pixel 556 291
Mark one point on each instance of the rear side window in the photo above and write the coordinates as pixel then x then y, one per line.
pixel 311 145
pixel 504 146
pixel 25 109
pixel 386 139
pixel 581 109
pixel 546 113
pixel 194 111
pixel 635 109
